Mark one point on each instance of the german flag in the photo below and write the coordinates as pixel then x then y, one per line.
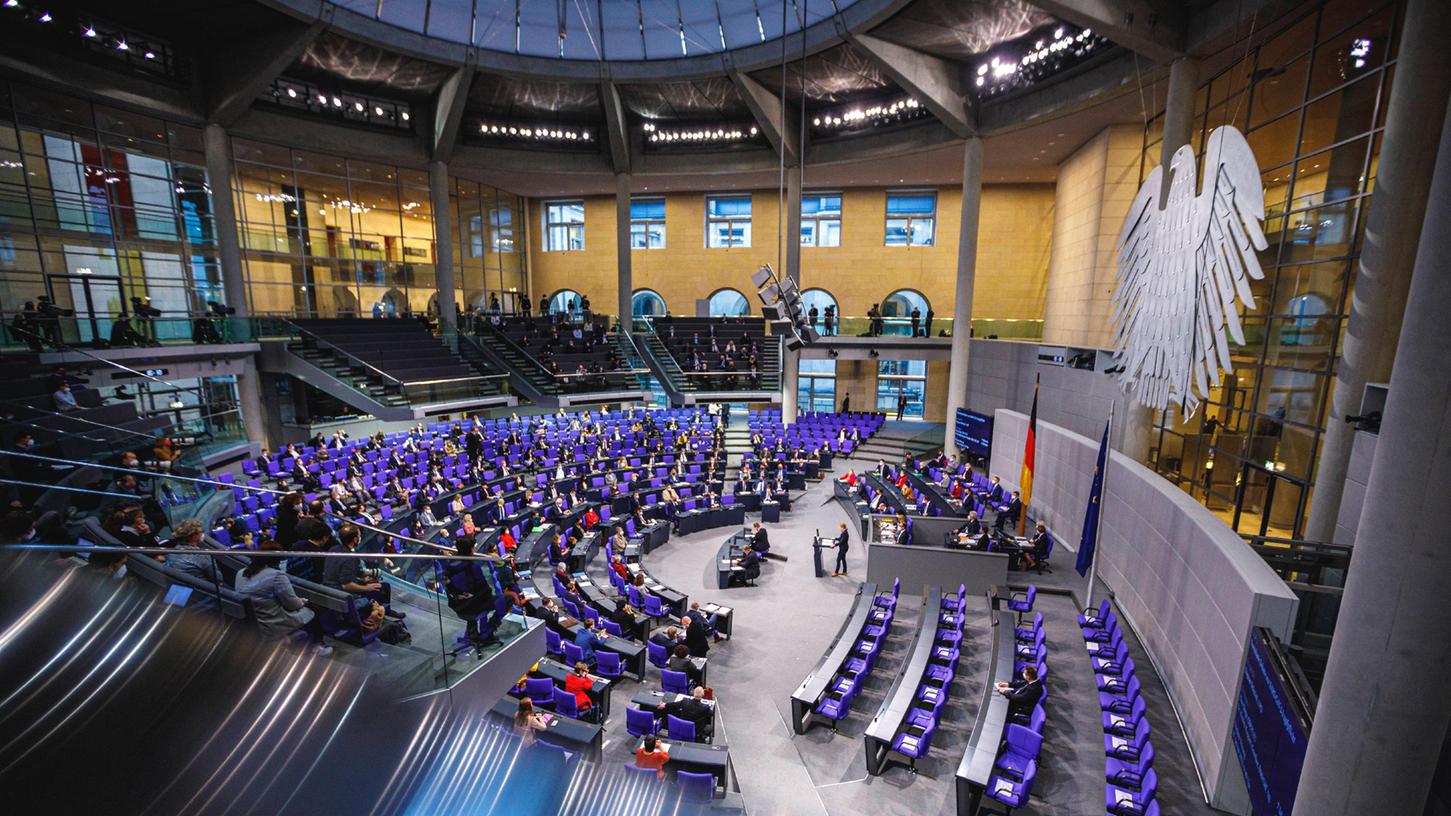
pixel 1025 479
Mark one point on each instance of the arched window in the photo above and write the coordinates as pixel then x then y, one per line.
pixel 647 303
pixel 565 300
pixel 821 299
pixel 729 303
pixel 897 312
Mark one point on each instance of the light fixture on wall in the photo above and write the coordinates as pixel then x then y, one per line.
pixel 859 117
pixel 515 131
pixel 707 134
pixel 1018 65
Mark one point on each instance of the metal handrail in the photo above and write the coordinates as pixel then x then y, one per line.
pixel 228 553
pixel 334 347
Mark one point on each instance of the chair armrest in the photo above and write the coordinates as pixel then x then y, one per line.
pixel 1128 779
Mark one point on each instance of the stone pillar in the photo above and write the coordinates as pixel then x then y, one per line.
pixel 966 277
pixel 1380 725
pixel 443 246
pixel 623 268
pixel 218 146
pixel 1393 229
pixel 791 267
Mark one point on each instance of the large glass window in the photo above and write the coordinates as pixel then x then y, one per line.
pixel 826 318
pixel 100 208
pixel 565 301
pixel 647 223
pixel 490 260
pixel 1313 113
pixel 911 218
pixel 728 221
pixel 821 219
pixel 729 303
pixel 647 303
pixel 905 311
pixel 563 226
pixel 816 386
pixel 902 378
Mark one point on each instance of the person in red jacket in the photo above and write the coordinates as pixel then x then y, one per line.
pixel 579 683
pixel 591 518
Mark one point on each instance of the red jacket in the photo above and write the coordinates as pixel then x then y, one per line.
pixel 580 686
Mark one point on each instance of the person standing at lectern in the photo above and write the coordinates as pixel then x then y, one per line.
pixel 843 543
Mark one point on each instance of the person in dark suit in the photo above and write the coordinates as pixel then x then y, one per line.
pixel 760 541
pixel 667 638
pixel 750 563
pixel 1041 545
pixel 692 708
pixel 901 404
pixel 1009 512
pixel 680 661
pixel 904 535
pixel 1023 694
pixel 995 493
pixel 973 527
pixel 697 639
pixel 843 543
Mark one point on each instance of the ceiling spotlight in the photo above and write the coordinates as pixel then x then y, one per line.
pixel 358 106
pixel 89 33
pixel 11 3
pixel 150 55
pixel 377 110
pixel 337 102
pixel 45 18
pixel 405 116
pixel 982 69
pixel 122 46
pixel 291 93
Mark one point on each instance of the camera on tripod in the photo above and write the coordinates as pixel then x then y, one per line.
pixel 1368 422
pixel 143 309
pixel 218 310
pixel 45 307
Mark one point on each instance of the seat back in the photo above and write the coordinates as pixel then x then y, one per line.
pixel 572 653
pixel 675 682
pixel 657 654
pixel 639 722
pixel 680 729
pixel 695 787
pixel 553 643
pixel 566 703
pixel 540 690
pixel 607 664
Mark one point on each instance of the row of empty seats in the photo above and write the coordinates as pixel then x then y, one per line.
pixel 1016 767
pixel 851 676
pixel 1130 782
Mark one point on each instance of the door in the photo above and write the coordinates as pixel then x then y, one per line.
pixel 96 300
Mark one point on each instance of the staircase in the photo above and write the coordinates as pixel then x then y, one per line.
pixel 684 388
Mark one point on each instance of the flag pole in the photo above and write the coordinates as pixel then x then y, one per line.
pixel 1098 522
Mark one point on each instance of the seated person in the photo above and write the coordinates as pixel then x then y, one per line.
pixel 558 549
pixel 651 755
pixel 750 563
pixel 1009 512
pixel 667 638
pixel 707 619
pixel 692 708
pixel 618 565
pixel 680 661
pixel 469 593
pixel 1041 545
pixel 1022 694
pixel 579 683
pixel 589 639
pixel 624 617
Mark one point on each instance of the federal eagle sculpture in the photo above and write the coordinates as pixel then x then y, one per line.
pixel 1182 263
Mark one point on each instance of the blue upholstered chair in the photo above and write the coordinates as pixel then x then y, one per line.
pixel 914 746
pixel 836 707
pixel 540 690
pixel 643 773
pixel 653 607
pixel 675 682
pixel 678 729
pixel 1132 801
pixel 1124 725
pixel 1026 634
pixel 656 654
pixel 695 787
pixel 1130 748
pixel 1129 773
pixel 640 722
pixel 1023 603
pixel 1020 750
pixel 1013 793
pixel 1094 619
pixel 566 703
pixel 612 628
pixel 1121 703
pixel 572 653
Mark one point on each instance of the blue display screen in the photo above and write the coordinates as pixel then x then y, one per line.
pixel 974 432
pixel 1270 732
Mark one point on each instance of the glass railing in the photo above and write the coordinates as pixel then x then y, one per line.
pixel 406 638
pixel 105 332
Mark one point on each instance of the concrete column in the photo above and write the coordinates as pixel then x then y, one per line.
pixel 623 261
pixel 791 267
pixel 1393 229
pixel 1380 725
pixel 218 147
pixel 249 402
pixel 966 277
pixel 443 246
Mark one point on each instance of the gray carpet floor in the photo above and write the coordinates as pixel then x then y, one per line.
pixel 784 624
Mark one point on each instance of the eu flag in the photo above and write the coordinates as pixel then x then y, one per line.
pixel 1089 541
